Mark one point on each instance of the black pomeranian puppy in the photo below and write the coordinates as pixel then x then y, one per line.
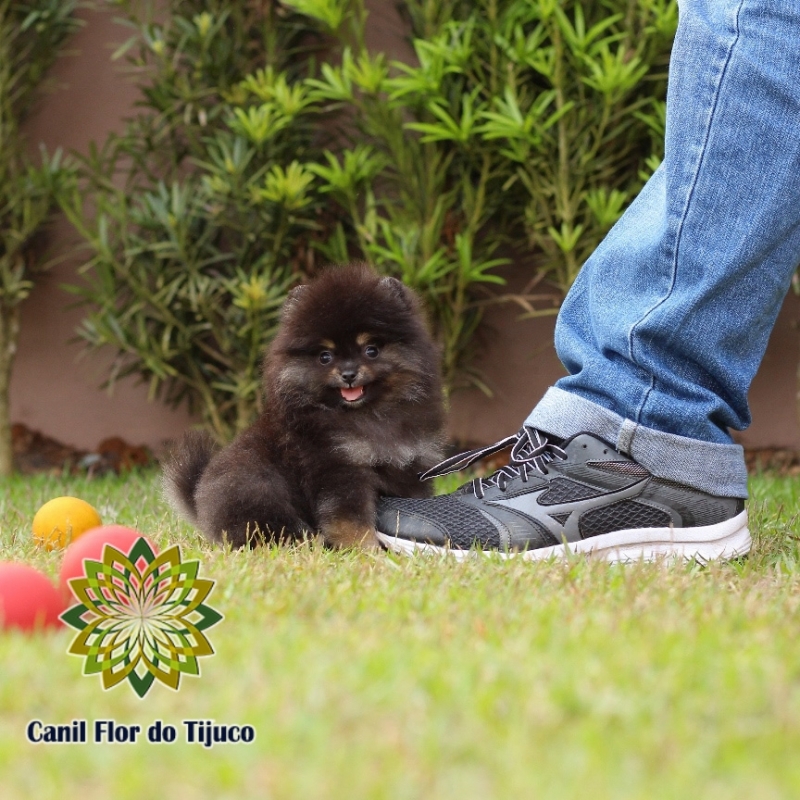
pixel 354 410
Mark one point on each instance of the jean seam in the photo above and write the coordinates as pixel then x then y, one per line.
pixel 626 436
pixel 677 238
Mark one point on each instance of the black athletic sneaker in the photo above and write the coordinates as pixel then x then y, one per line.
pixel 579 496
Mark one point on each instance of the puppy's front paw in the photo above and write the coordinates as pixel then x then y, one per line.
pixel 345 533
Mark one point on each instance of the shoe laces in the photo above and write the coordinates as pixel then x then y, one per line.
pixel 530 451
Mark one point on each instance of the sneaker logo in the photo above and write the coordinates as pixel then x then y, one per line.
pixel 528 505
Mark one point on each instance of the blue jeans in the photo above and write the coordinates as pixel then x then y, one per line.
pixel 664 329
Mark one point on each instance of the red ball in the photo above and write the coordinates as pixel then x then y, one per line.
pixel 28 600
pixel 90 545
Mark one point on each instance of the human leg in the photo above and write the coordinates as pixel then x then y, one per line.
pixel 665 326
pixel 667 323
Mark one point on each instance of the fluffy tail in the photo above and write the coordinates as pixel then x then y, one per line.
pixel 182 469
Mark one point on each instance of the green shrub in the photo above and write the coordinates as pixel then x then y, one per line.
pixel 417 203
pixel 579 117
pixel 537 122
pixel 198 216
pixel 267 136
pixel 31 36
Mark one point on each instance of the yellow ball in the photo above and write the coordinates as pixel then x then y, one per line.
pixel 62 520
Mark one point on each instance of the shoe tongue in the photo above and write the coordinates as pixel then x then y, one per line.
pixel 352 393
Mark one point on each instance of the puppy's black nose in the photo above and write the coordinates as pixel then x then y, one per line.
pixel 348 375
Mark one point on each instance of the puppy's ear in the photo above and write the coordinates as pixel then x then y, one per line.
pixel 293 298
pixel 394 288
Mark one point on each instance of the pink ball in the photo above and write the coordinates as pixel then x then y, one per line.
pixel 28 600
pixel 90 545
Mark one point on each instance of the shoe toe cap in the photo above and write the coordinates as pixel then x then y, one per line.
pixel 446 520
pixel 395 520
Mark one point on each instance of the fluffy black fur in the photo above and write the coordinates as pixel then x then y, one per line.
pixel 354 410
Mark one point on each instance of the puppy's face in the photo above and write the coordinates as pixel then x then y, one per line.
pixel 348 341
pixel 348 369
pixel 353 372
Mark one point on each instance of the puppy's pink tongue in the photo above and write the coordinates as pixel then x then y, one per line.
pixel 353 393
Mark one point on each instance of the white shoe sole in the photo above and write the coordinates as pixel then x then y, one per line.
pixel 721 542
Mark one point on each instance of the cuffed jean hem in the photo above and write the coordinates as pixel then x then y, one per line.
pixel 718 469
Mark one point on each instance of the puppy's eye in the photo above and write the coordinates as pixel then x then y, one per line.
pixel 371 351
pixel 325 357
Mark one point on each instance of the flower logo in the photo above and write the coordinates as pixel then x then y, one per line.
pixel 141 617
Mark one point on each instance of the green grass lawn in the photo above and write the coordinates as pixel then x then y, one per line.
pixel 372 676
